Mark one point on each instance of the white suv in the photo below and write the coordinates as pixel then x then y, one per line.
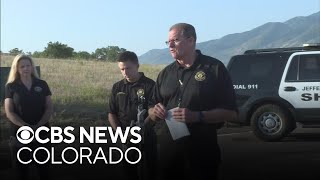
pixel 277 88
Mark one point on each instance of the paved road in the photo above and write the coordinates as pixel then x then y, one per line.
pixel 245 157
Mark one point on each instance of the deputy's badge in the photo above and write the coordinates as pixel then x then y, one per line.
pixel 37 89
pixel 200 76
pixel 140 92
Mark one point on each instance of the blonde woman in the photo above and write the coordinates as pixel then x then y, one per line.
pixel 27 103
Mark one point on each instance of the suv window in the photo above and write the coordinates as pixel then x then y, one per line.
pixel 309 68
pixel 261 69
pixel 292 74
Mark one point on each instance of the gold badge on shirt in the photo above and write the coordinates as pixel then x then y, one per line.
pixel 37 89
pixel 140 92
pixel 200 76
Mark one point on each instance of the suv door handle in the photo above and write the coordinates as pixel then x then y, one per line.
pixel 289 88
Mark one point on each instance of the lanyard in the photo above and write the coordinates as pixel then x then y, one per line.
pixel 183 85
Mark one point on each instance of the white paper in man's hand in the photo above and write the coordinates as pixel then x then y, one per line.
pixel 177 129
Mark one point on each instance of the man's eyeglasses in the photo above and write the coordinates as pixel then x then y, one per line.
pixel 175 41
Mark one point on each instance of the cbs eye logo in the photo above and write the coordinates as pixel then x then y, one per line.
pixel 25 134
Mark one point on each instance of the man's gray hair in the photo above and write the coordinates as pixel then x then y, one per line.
pixel 187 30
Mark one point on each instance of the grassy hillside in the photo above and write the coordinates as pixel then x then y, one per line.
pixel 80 88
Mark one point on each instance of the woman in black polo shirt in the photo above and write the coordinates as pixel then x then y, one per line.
pixel 27 103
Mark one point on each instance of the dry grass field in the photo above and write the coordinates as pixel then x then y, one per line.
pixel 80 88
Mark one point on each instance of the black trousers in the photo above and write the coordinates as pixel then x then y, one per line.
pixel 146 168
pixel 32 170
pixel 186 159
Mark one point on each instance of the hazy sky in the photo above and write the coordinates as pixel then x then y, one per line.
pixel 136 25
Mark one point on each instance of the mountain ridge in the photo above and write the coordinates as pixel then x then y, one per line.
pixel 291 33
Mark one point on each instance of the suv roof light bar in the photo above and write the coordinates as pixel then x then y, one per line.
pixel 306 47
pixel 315 45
